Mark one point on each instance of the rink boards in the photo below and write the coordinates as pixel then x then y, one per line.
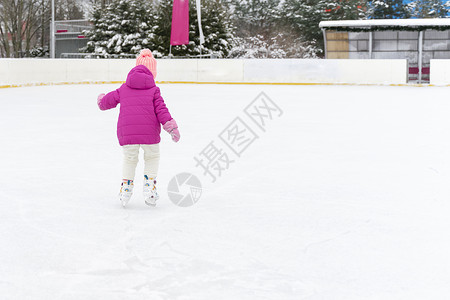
pixel 22 72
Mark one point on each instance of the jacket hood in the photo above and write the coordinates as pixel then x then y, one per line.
pixel 140 78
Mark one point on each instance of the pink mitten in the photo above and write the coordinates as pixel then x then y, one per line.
pixel 175 135
pixel 99 100
pixel 172 128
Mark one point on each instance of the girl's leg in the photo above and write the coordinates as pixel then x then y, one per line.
pixel 151 157
pixel 130 161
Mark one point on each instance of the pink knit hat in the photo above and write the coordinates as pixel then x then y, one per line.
pixel 146 58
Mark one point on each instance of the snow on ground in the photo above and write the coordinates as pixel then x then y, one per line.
pixel 345 196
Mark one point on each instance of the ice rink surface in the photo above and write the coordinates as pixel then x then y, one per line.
pixel 346 195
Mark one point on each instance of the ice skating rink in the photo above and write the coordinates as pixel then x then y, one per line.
pixel 346 195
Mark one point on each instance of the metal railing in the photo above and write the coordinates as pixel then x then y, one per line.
pixel 211 55
pixel 96 56
pixel 118 56
pixel 72 26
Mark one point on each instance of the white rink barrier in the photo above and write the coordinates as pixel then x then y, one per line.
pixel 440 72
pixel 17 72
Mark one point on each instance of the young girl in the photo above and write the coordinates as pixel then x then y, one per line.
pixel 142 110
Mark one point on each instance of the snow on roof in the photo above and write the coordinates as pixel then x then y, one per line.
pixel 386 23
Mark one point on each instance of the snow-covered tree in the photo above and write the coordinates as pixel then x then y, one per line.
pixel 428 9
pixel 255 17
pixel 345 10
pixel 123 27
pixel 302 18
pixel 280 46
pixel 217 28
pixel 387 9
pixel 162 28
pixel 256 47
pixel 259 32
pixel 216 25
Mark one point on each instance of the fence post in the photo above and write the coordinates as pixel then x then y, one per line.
pixel 420 55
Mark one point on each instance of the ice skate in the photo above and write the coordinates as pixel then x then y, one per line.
pixel 126 190
pixel 150 192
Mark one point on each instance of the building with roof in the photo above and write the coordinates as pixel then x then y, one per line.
pixel 69 37
pixel 417 40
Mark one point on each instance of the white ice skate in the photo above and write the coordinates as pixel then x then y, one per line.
pixel 126 191
pixel 150 192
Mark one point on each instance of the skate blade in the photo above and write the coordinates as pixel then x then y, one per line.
pixel 151 201
pixel 123 201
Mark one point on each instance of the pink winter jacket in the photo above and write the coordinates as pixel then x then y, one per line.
pixel 142 109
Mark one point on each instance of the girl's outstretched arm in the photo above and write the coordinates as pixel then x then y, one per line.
pixel 164 117
pixel 109 100
pixel 161 111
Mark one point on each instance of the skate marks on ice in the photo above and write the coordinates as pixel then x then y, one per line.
pixel 356 206
pixel 188 278
pixel 150 266
pixel 170 273
pixel 197 278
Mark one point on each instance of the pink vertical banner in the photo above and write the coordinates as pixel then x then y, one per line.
pixel 180 23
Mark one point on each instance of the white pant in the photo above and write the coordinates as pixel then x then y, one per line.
pixel 131 158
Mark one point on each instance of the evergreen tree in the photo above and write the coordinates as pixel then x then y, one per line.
pixel 345 10
pixel 123 27
pixel 216 25
pixel 428 9
pixel 302 18
pixel 258 29
pixel 387 9
pixel 162 28
pixel 255 17
pixel 280 46
pixel 217 28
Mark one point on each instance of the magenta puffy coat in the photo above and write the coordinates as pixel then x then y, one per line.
pixel 142 108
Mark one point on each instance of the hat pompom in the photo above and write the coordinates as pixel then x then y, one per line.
pixel 146 58
pixel 146 53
